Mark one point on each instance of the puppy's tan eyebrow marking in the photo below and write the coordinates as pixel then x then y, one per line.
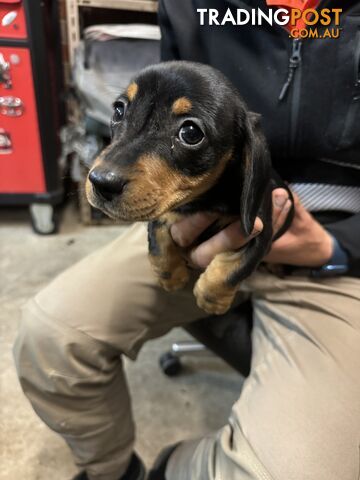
pixel 181 106
pixel 132 90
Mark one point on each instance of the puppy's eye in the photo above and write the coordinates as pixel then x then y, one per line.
pixel 190 133
pixel 119 111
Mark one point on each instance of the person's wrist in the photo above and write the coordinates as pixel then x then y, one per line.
pixel 326 249
pixel 337 264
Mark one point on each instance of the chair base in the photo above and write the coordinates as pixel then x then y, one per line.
pixel 170 362
pixel 228 336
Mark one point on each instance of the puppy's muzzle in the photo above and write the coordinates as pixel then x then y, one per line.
pixel 107 184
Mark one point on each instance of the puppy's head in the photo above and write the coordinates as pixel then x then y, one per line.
pixel 174 131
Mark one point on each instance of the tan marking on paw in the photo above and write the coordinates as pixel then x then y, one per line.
pixel 216 302
pixel 168 265
pixel 177 281
pixel 212 290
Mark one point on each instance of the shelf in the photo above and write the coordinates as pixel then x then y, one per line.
pixel 73 8
pixel 137 5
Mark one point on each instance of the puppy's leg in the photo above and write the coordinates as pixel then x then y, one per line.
pixel 213 292
pixel 216 288
pixel 165 257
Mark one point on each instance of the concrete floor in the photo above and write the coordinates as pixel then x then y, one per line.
pixel 166 410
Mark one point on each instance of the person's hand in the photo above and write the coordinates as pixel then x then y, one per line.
pixel 306 243
pixel 187 230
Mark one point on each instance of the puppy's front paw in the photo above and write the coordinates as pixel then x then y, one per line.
pixel 216 301
pixel 174 280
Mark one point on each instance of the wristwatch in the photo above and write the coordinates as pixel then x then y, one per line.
pixel 337 265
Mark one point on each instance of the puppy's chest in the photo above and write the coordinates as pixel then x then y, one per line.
pixel 223 201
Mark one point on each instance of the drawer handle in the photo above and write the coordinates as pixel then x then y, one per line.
pixel 8 18
pixel 11 106
pixel 5 142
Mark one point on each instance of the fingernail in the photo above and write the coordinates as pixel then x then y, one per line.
pixel 258 227
pixel 280 200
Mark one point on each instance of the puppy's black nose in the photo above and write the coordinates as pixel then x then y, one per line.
pixel 107 183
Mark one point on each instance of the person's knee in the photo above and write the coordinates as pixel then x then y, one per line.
pixel 63 371
pixel 48 353
pixel 29 347
pixel 36 347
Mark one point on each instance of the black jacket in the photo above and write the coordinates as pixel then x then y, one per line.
pixel 314 132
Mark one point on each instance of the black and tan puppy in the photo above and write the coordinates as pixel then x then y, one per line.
pixel 183 141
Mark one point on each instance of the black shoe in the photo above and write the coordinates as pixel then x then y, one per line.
pixel 135 471
pixel 158 470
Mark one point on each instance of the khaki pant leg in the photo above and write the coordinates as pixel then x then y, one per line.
pixel 298 416
pixel 71 337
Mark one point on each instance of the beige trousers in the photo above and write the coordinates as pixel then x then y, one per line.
pixel 298 416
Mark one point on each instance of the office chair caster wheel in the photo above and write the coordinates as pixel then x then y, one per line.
pixel 43 218
pixel 170 364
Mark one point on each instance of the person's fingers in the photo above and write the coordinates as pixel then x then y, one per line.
pixel 281 219
pixel 186 231
pixel 279 246
pixel 296 199
pixel 230 238
pixel 300 211
pixel 280 198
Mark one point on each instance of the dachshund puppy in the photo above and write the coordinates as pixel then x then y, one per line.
pixel 183 141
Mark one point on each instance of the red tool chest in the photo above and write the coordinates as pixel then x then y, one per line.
pixel 30 110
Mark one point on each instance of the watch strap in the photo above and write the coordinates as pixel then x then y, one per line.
pixel 337 265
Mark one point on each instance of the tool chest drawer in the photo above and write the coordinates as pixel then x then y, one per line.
pixel 12 19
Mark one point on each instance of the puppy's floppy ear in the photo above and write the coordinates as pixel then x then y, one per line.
pixel 254 167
